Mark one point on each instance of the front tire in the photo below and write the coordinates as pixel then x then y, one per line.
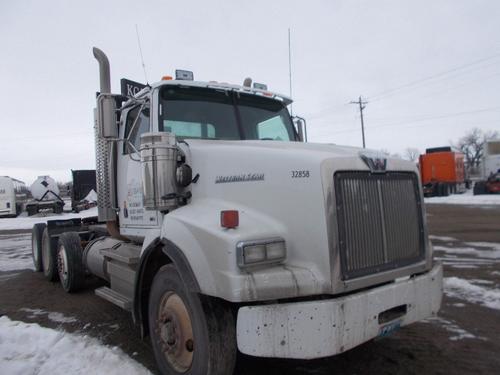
pixel 69 262
pixel 49 256
pixel 36 245
pixel 191 334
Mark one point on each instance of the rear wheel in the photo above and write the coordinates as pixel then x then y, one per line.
pixel 49 258
pixel 31 210
pixel 446 190
pixel 479 188
pixel 69 262
pixel 36 245
pixel 191 334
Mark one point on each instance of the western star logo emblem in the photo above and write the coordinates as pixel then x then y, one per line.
pixel 44 183
pixel 245 177
pixel 376 163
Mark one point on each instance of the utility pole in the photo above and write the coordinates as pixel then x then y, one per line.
pixel 362 106
pixel 290 67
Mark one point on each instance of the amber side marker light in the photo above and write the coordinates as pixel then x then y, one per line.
pixel 229 219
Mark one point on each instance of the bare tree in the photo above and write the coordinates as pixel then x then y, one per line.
pixel 472 146
pixel 411 154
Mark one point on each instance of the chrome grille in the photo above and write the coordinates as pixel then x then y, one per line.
pixel 379 221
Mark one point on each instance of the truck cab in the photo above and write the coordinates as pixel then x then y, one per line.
pixel 221 230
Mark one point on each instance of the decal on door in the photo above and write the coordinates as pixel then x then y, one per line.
pixel 134 198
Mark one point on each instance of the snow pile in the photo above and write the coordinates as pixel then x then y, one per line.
pixel 31 349
pixel 467 198
pixel 28 222
pixel 463 289
pixel 91 196
pixel 15 252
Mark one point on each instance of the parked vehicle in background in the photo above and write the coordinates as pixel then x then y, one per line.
pixel 221 230
pixel 83 183
pixel 45 197
pixel 442 172
pixel 490 169
pixel 13 196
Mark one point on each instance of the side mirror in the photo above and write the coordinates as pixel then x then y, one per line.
pixel 300 125
pixel 106 116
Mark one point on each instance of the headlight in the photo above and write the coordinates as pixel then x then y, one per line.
pixel 257 252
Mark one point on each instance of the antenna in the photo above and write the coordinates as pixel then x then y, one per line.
pixel 290 68
pixel 140 52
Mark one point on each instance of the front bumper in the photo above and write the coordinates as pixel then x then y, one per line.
pixel 324 328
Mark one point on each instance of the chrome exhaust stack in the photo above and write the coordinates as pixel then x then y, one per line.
pixel 106 131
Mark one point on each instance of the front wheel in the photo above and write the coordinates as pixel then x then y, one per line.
pixel 191 334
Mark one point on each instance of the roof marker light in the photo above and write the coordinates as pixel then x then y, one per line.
pixel 259 86
pixel 184 75
pixel 166 78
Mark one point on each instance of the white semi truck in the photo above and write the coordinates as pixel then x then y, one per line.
pixel 221 230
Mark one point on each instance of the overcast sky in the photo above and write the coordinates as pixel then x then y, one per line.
pixel 430 70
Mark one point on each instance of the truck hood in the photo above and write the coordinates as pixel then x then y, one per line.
pixel 312 152
pixel 281 189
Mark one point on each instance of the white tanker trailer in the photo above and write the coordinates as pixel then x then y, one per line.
pixel 45 193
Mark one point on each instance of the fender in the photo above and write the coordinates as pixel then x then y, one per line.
pixel 158 253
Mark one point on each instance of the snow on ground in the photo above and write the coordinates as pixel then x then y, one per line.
pixel 56 317
pixel 457 332
pixel 15 252
pixel 493 251
pixel 25 222
pixel 465 289
pixel 442 238
pixel 466 198
pixel 31 349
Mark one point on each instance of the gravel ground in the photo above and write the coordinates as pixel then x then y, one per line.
pixel 464 339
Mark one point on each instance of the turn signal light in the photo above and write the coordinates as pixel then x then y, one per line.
pixel 229 219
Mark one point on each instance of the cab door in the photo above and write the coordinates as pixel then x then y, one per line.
pixel 129 176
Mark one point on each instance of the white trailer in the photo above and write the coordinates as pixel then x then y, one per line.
pixel 490 169
pixel 12 196
pixel 221 230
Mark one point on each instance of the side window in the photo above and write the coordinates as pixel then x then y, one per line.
pixel 133 132
pixel 273 129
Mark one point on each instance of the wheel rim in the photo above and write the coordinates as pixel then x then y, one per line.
pixel 175 332
pixel 62 264
pixel 34 246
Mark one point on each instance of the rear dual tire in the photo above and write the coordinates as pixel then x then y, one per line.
pixel 36 245
pixel 49 256
pixel 69 262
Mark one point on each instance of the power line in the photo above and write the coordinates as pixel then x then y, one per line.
pixel 390 91
pixel 423 119
pixel 362 106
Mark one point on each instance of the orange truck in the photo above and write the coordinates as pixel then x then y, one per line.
pixel 442 172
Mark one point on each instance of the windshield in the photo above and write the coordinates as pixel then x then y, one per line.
pixel 192 112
